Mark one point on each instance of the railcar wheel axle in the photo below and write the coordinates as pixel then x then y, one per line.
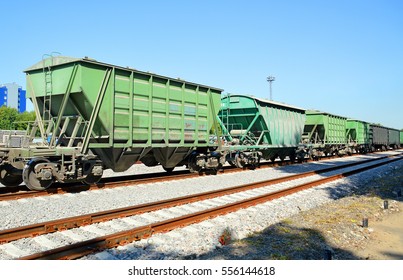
pixel 7 178
pixel 37 180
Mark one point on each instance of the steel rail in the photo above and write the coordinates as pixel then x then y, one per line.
pixel 78 188
pixel 13 193
pixel 80 249
pixel 12 234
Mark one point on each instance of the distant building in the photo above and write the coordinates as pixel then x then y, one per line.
pixel 13 96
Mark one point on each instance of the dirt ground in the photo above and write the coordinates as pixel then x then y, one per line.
pixel 387 239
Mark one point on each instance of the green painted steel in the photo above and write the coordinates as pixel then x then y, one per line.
pixel 358 132
pixel 324 129
pixel 261 123
pixel 401 138
pixel 126 115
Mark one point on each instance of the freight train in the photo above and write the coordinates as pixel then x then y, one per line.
pixel 92 116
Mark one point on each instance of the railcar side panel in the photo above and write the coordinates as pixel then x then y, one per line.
pixel 358 132
pixel 393 138
pixel 271 127
pixel 380 136
pixel 126 114
pixel 324 129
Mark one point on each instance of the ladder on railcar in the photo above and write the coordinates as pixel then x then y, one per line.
pixel 47 95
pixel 47 60
pixel 47 98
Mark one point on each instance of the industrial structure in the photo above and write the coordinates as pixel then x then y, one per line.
pixel 12 95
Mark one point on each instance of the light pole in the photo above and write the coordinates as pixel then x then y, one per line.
pixel 270 79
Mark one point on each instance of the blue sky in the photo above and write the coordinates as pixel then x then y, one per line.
pixel 342 57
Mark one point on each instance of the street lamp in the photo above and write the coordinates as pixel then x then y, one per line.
pixel 270 79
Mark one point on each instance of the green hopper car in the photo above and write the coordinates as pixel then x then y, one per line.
pixel 93 115
pixel 325 133
pixel 359 135
pixel 260 128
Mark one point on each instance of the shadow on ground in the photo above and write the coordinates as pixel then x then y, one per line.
pixel 281 241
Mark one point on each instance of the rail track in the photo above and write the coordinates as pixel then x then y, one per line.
pixel 85 247
pixel 21 192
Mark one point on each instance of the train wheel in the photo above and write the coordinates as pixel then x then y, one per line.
pixel 256 164
pixel 212 171
pixel 31 179
pixel 239 160
pixel 92 179
pixel 7 178
pixel 94 173
pixel 192 163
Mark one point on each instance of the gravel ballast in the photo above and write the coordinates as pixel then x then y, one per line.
pixel 57 206
pixel 315 224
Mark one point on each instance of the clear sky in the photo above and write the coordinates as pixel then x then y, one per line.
pixel 344 57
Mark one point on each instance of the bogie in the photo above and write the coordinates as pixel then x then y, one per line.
pixel 37 174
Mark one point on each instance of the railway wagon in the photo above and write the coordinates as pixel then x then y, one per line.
pixel 325 133
pixel 401 138
pixel 393 138
pixel 380 137
pixel 359 135
pixel 258 128
pixel 92 115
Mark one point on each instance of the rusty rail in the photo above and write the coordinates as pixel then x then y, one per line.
pixel 13 193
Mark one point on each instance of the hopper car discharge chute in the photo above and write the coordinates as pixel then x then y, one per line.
pixel 92 116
